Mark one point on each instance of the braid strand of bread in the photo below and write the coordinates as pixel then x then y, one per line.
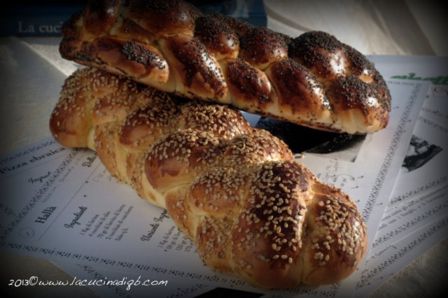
pixel 236 191
pixel 312 80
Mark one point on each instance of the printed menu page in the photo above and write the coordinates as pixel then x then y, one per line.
pixel 62 205
pixel 73 210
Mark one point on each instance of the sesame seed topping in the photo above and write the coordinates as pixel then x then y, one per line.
pixel 197 151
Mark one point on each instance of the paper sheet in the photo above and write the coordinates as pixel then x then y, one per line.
pixel 425 186
pixel 370 175
pixel 75 211
pixel 419 202
pixel 417 69
pixel 57 178
pixel 419 198
pixel 420 194
pixel 421 231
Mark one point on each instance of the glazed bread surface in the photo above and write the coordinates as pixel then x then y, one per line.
pixel 236 191
pixel 312 80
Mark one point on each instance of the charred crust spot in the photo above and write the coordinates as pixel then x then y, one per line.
pixel 102 9
pixel 159 6
pixel 247 80
pixel 261 45
pixel 196 60
pixel 312 50
pixel 359 62
pixel 296 85
pixel 287 39
pixel 164 15
pixel 138 53
pixel 100 15
pixel 216 35
pixel 351 93
pixel 288 71
pixel 239 27
pixel 134 31
pixel 314 39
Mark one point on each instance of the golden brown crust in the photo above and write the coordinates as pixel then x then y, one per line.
pixel 150 122
pixel 234 190
pixel 219 191
pixel 269 231
pixel 171 46
pixel 222 121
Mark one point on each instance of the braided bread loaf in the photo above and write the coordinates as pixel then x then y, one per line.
pixel 312 80
pixel 236 191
